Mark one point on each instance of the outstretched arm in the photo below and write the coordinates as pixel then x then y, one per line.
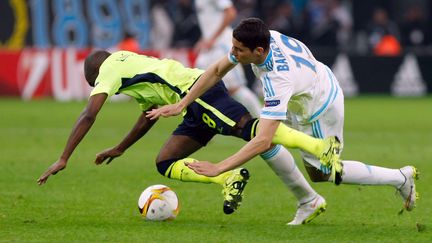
pixel 80 129
pixel 142 126
pixel 207 80
pixel 260 143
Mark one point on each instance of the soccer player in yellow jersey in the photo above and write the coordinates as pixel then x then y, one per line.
pixel 153 82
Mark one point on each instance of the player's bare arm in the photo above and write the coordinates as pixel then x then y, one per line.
pixel 141 127
pixel 207 80
pixel 80 129
pixel 259 144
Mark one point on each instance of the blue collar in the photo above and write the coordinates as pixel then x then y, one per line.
pixel 268 62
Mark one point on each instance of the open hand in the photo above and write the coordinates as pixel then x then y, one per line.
pixel 204 168
pixel 109 154
pixel 52 170
pixel 164 111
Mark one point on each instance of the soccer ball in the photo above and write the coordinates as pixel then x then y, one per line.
pixel 158 203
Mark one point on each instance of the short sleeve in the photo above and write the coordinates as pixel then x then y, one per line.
pixel 108 81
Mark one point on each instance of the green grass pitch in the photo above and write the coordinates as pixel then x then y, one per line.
pixel 89 203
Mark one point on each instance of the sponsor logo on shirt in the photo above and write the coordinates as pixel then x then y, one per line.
pixel 270 103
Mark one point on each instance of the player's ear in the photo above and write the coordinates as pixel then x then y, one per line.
pixel 259 51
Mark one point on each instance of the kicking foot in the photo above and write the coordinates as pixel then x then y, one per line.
pixel 306 212
pixel 233 190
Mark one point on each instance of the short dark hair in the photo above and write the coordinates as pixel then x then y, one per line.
pixel 253 33
pixel 92 64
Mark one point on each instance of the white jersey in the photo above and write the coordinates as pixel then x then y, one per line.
pixel 210 16
pixel 294 82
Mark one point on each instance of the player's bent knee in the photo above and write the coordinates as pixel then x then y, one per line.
pixel 249 129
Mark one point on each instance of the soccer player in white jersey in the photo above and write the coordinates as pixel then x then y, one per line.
pixel 215 17
pixel 298 89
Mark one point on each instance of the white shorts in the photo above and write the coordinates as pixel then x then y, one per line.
pixel 234 78
pixel 329 123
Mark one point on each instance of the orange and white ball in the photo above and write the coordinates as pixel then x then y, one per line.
pixel 158 203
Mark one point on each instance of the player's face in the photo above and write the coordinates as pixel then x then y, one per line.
pixel 243 54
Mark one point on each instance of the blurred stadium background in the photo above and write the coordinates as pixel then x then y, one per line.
pixel 373 46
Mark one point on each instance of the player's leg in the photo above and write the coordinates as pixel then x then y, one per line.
pixel 356 172
pixel 216 112
pixel 329 124
pixel 327 150
pixel 280 161
pixel 171 163
pixel 171 159
pixel 359 173
pixel 310 203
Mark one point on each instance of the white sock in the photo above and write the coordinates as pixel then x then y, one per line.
pixel 282 163
pixel 355 172
pixel 246 97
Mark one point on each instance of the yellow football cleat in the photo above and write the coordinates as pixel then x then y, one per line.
pixel 233 189
pixel 330 158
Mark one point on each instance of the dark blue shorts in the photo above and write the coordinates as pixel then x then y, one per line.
pixel 215 112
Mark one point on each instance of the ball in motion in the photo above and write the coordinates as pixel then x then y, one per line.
pixel 158 203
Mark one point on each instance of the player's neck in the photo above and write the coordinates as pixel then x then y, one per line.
pixel 262 58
